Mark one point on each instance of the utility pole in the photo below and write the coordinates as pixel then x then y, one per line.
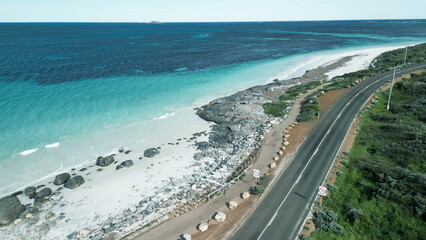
pixel 405 59
pixel 390 93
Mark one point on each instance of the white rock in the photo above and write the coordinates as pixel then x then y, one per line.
pixel 232 204
pixel 29 215
pixel 273 165
pixel 283 148
pixel 194 186
pixel 203 227
pixel 84 232
pixel 17 221
pixel 286 143
pixel 280 153
pixel 276 158
pixel 220 216
pixel 245 195
pixel 287 135
pixel 186 236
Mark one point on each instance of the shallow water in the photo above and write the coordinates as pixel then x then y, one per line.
pixel 71 92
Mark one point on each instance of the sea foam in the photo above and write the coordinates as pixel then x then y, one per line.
pixel 27 152
pixel 165 116
pixel 53 145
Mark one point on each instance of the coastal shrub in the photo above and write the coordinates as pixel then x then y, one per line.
pixel 303 88
pixel 275 109
pixel 242 176
pixel 261 180
pixel 327 222
pixel 286 97
pixel 303 237
pixel 256 190
pixel 353 213
pixel 309 109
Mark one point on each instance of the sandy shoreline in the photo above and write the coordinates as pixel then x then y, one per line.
pixel 130 198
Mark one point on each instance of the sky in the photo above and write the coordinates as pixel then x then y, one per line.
pixel 206 10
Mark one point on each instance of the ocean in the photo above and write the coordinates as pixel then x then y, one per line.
pixel 70 92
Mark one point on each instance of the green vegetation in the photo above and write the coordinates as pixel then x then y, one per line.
pixel 382 192
pixel 211 196
pixel 256 190
pixel 302 88
pixel 277 109
pixel 242 176
pixel 309 109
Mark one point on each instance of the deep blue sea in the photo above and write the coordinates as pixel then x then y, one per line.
pixel 64 86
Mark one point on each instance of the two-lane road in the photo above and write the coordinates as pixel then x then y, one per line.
pixel 282 212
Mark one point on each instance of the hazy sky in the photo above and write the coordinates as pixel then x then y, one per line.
pixel 206 10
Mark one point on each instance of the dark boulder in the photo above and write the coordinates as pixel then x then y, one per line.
pixel 104 161
pixel 74 182
pixel 30 192
pixel 118 167
pixel 10 209
pixel 127 163
pixel 45 192
pixel 151 152
pixel 61 178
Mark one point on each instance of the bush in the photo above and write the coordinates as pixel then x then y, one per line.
pixel 256 190
pixel 275 109
pixel 327 221
pixel 353 213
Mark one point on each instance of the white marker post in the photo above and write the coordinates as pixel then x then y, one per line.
pixel 390 93
pixel 256 174
pixel 322 191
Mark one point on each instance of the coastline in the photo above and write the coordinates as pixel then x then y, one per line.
pixel 124 207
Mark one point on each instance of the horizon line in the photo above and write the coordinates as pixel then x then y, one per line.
pixel 243 21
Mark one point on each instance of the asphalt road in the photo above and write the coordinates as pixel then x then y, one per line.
pixel 282 212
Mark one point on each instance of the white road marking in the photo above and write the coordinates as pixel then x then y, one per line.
pixel 303 170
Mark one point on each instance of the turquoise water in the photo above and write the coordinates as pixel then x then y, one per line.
pixel 64 106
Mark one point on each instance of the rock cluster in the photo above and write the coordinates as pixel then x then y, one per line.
pixel 104 161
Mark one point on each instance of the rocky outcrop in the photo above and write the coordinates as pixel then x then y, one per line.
pixel 45 192
pixel 74 182
pixel 151 152
pixel 30 192
pixel 198 156
pixel 61 178
pixel 104 161
pixel 10 209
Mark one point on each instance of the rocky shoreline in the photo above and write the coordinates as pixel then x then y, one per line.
pixel 239 127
